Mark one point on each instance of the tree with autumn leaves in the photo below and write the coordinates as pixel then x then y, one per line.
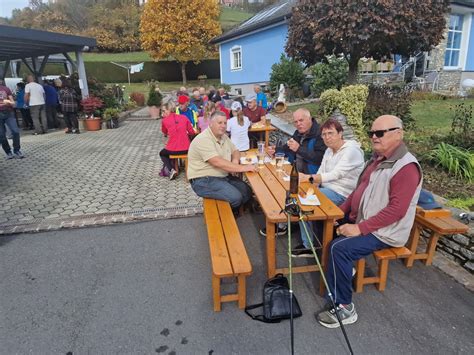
pixel 364 28
pixel 179 30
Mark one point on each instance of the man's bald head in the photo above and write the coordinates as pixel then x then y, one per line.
pixel 392 129
pixel 302 120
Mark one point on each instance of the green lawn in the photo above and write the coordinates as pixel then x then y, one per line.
pixel 164 86
pixel 429 115
pixel 117 57
pixel 435 114
pixel 232 17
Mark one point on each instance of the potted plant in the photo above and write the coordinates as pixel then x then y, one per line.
pixel 154 101
pixel 111 117
pixel 91 106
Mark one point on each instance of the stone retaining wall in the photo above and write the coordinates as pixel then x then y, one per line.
pixel 459 248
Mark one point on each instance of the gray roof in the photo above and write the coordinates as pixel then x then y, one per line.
pixel 277 13
pixel 268 16
pixel 17 43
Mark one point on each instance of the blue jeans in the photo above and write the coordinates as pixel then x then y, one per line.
pixel 317 226
pixel 343 251
pixel 230 189
pixel 7 119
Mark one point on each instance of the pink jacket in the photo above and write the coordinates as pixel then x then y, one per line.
pixel 178 129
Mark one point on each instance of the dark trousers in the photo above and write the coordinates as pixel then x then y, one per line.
pixel 165 157
pixel 71 120
pixel 26 117
pixel 52 116
pixel 230 189
pixel 343 251
pixel 7 118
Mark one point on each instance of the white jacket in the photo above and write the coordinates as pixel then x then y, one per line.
pixel 340 171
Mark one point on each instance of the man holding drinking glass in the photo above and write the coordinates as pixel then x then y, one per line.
pixel 305 147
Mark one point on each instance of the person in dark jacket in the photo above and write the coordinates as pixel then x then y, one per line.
pixel 51 101
pixel 306 145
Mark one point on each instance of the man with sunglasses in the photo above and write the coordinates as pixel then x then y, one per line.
pixel 379 213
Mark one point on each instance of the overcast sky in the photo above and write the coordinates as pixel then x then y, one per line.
pixel 6 6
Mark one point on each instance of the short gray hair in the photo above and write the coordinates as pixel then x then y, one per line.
pixel 218 114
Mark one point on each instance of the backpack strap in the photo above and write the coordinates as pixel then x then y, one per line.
pixel 259 317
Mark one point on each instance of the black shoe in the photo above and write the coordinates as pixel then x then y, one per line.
pixel 300 251
pixel 279 231
pixel 68 132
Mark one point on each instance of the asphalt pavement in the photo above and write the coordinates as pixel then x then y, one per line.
pixel 144 288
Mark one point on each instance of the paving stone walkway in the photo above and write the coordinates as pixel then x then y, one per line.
pixel 91 178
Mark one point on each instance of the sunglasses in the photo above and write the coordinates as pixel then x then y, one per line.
pixel 381 132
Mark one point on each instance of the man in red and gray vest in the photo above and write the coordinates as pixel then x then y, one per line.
pixel 379 213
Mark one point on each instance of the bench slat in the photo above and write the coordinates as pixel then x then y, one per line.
pixel 401 252
pixel 385 254
pixel 235 246
pixel 442 225
pixel 219 255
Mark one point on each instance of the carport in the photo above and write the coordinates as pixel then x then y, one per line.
pixel 34 48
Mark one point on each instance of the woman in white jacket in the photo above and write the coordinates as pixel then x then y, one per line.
pixel 337 176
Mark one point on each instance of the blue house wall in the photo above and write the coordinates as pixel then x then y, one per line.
pixel 470 47
pixel 259 52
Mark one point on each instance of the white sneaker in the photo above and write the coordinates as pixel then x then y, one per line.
pixel 173 174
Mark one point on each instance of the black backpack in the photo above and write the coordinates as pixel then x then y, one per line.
pixel 276 302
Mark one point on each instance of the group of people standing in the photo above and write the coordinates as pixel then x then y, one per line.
pixel 378 197
pixel 197 109
pixel 38 106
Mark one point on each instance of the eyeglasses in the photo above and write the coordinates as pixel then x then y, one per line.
pixel 381 132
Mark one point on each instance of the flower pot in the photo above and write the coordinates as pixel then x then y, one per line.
pixel 93 124
pixel 154 112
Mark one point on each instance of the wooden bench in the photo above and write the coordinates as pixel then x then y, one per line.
pixel 229 258
pixel 177 158
pixel 382 257
pixel 438 225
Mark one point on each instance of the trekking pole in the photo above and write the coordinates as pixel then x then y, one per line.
pixel 292 335
pixel 309 238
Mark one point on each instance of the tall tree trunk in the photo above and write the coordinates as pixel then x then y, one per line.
pixel 353 69
pixel 183 72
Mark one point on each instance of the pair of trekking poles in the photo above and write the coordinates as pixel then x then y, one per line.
pixel 292 209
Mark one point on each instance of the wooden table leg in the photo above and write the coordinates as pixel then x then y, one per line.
pixel 267 138
pixel 431 248
pixel 413 244
pixel 271 260
pixel 327 238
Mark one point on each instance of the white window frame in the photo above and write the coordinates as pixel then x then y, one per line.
pixel 465 31
pixel 235 66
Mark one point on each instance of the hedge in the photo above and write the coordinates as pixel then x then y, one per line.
pixel 161 71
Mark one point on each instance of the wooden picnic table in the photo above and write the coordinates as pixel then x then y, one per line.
pixel 270 190
pixel 262 129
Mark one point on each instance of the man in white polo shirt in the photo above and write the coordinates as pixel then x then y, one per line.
pixel 34 96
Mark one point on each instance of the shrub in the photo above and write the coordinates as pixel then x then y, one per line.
pixel 138 98
pixel 91 105
pixel 462 203
pixel 456 161
pixel 330 75
pixel 427 95
pixel 154 96
pixel 388 100
pixel 470 93
pixel 351 101
pixel 462 133
pixel 288 72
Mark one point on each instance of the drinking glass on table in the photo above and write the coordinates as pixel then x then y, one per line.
pixel 279 158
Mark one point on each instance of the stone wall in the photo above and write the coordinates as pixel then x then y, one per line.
pixel 459 248
pixel 450 80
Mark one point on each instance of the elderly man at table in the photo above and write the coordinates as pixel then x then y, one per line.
pixel 212 158
pixel 305 146
pixel 379 213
